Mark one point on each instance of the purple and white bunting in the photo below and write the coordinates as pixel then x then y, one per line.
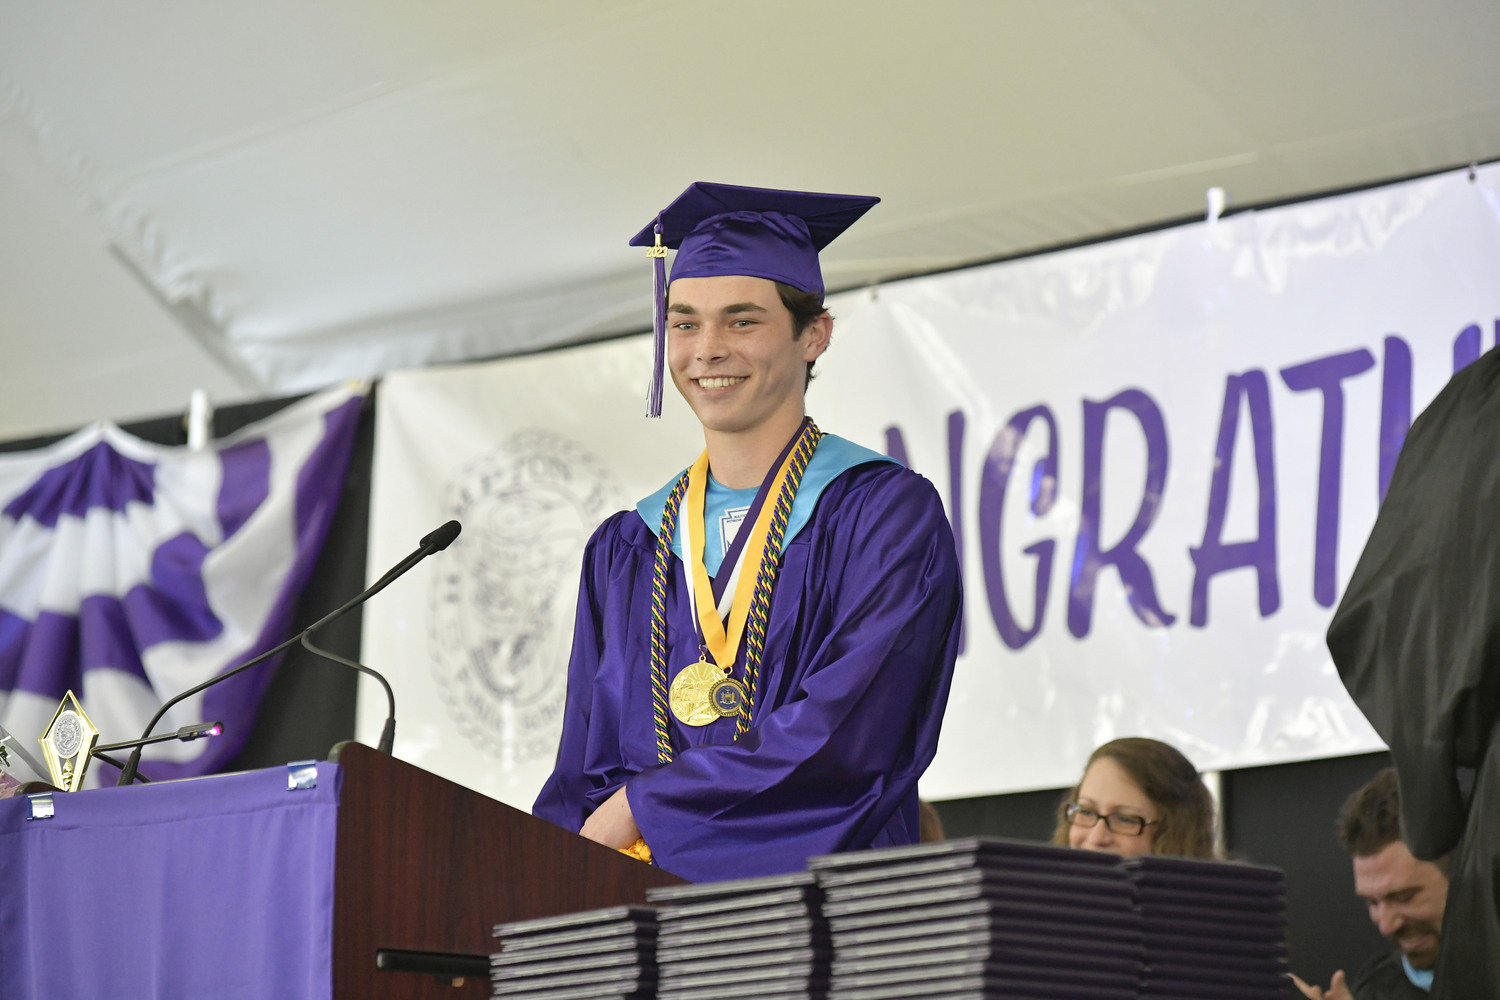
pixel 131 571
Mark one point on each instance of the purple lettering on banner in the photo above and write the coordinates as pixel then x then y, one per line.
pixel 895 445
pixel 1326 375
pixel 1466 347
pixel 1395 407
pixel 1088 557
pixel 956 504
pixel 993 481
pixel 1213 556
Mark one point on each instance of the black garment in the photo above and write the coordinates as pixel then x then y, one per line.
pixel 1417 642
pixel 1384 979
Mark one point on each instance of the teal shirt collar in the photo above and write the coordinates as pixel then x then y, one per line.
pixel 834 456
pixel 1420 978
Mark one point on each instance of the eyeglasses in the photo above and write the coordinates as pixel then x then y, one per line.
pixel 1128 826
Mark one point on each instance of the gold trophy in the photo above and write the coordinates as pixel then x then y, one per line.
pixel 68 744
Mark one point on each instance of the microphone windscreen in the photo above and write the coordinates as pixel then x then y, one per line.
pixel 443 537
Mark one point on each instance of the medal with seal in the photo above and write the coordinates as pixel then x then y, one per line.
pixel 68 744
pixel 728 697
pixel 690 693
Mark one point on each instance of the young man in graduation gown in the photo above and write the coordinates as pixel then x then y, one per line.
pixel 764 646
pixel 1416 640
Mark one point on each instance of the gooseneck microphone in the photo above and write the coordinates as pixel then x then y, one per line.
pixel 435 541
pixel 186 734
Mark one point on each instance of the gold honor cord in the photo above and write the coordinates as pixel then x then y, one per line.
pixel 660 568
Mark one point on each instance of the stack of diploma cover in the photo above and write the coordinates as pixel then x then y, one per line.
pixel 755 937
pixel 594 955
pixel 1212 930
pixel 981 918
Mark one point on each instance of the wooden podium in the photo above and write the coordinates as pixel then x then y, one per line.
pixel 424 864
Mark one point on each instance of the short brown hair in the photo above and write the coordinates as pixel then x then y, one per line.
pixel 804 307
pixel 1370 820
pixel 1172 783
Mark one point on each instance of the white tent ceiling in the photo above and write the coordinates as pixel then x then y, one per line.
pixel 262 198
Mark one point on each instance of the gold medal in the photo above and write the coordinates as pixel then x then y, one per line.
pixel 690 693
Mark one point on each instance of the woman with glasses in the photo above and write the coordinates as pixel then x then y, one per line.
pixel 1138 796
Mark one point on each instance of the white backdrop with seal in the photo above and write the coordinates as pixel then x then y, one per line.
pixel 1161 455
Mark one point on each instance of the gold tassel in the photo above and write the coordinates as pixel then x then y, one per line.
pixel 638 850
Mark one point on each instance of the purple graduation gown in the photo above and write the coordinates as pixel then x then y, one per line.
pixel 858 660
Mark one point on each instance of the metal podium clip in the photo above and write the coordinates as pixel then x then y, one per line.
pixel 301 774
pixel 41 806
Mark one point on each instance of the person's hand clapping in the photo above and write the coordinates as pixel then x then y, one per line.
pixel 1338 989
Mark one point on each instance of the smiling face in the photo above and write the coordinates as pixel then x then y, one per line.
pixel 1107 789
pixel 1406 898
pixel 732 354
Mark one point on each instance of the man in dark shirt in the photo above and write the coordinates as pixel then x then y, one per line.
pixel 1406 898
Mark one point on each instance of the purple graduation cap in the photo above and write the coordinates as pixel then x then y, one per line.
pixel 725 229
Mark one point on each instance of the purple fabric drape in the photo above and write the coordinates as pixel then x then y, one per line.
pixel 215 888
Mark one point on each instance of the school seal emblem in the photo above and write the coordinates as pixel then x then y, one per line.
pixel 501 609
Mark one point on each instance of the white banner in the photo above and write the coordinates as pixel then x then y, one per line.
pixel 1161 456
